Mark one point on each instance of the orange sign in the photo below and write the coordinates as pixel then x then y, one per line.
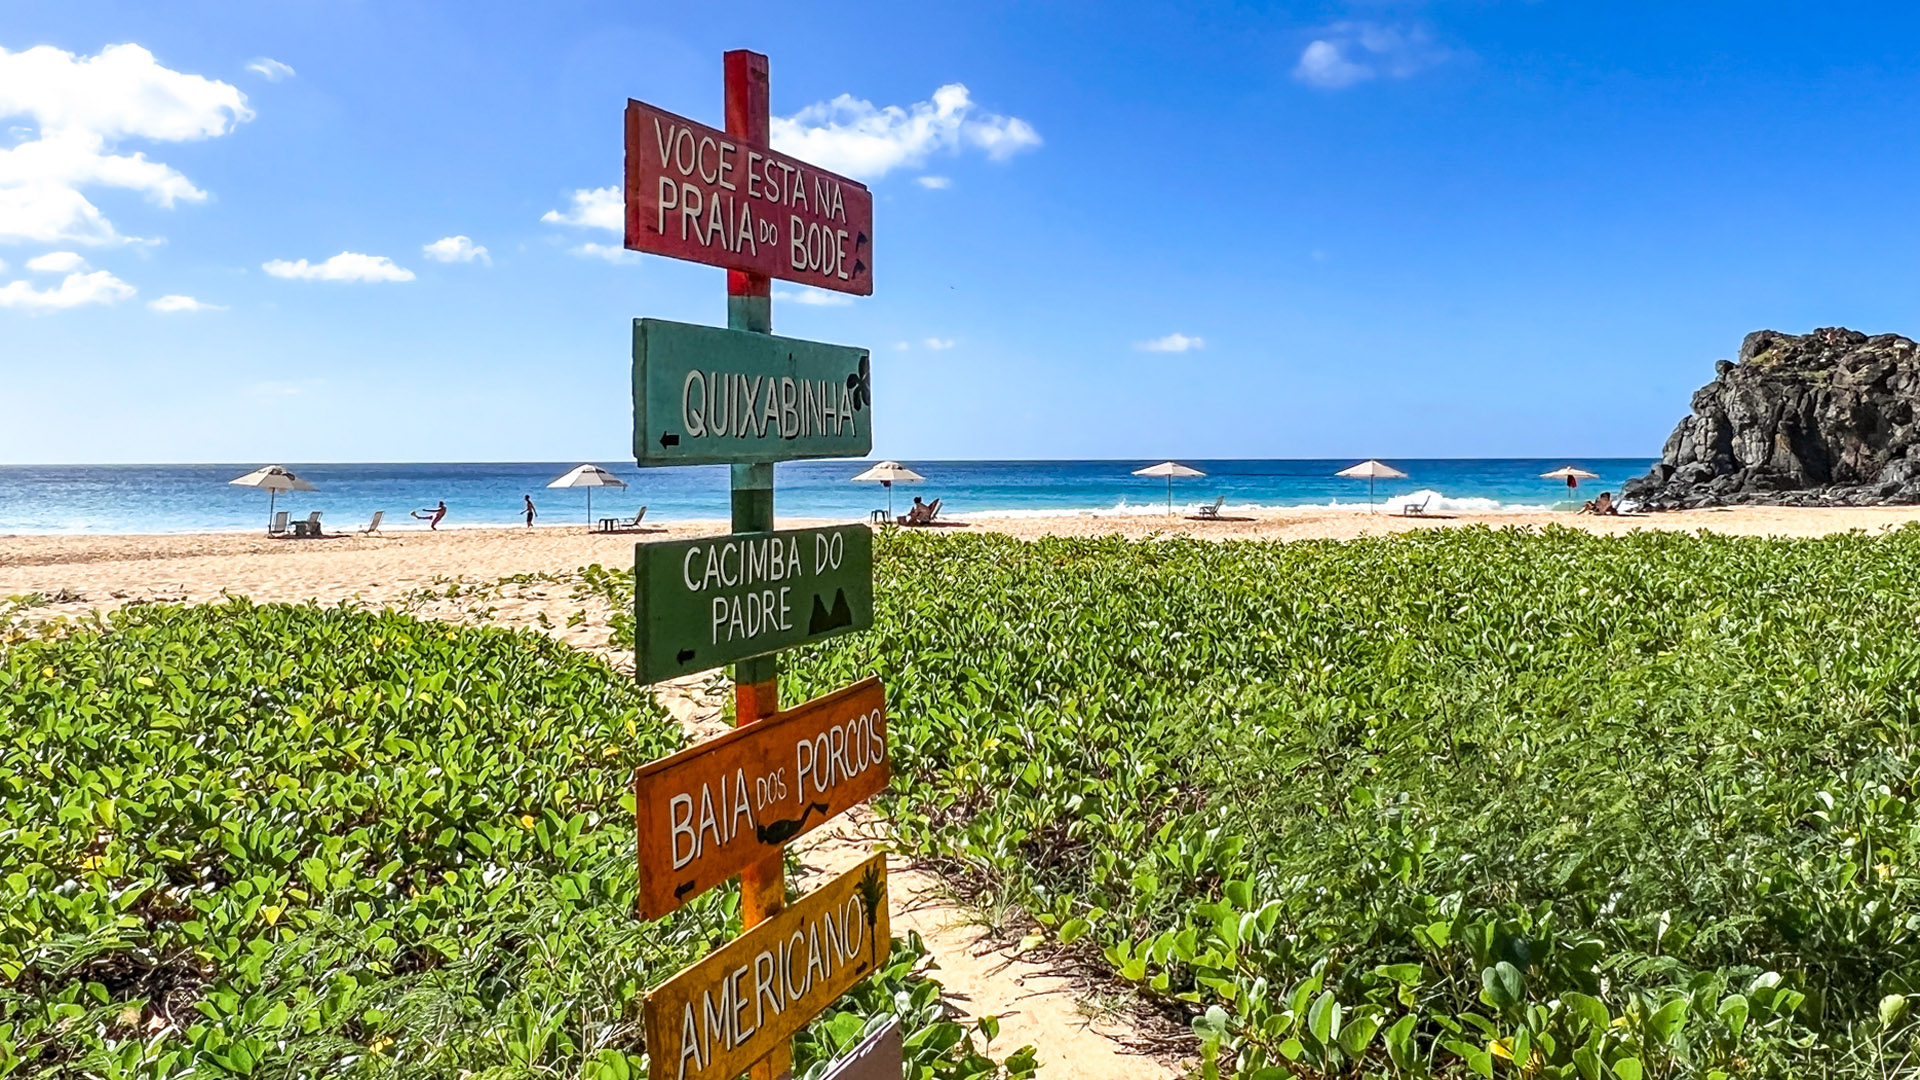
pixel 741 1001
pixel 713 809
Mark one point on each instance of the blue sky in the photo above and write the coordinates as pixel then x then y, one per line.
pixel 1442 229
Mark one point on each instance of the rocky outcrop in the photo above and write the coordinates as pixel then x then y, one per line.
pixel 1824 419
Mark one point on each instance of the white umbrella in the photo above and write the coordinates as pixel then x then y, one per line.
pixel 1570 474
pixel 276 479
pixel 1168 469
pixel 886 474
pixel 589 477
pixel 1371 470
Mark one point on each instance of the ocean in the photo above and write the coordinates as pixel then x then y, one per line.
pixel 198 498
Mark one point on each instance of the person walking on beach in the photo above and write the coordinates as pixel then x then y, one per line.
pixel 530 511
pixel 432 516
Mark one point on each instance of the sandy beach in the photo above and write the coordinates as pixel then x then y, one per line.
pixel 104 571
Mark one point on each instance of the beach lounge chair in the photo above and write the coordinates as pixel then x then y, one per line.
pixel 1413 509
pixel 1212 512
pixel 279 526
pixel 311 528
pixel 614 525
pixel 374 525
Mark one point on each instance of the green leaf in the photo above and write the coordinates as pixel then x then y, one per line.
pixel 1357 1033
pixel 1589 1009
pixel 1323 1018
pixel 1400 1044
pixel 1409 974
pixel 1666 1022
pixel 1733 1013
pixel 1211 1026
pixel 1503 985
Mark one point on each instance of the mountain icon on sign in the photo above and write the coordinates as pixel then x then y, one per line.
pixel 822 620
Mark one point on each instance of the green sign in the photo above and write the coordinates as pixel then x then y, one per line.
pixel 702 603
pixel 703 395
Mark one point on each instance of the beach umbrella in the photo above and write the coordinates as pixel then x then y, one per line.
pixel 1168 469
pixel 1570 474
pixel 274 478
pixel 1371 470
pixel 885 474
pixel 589 477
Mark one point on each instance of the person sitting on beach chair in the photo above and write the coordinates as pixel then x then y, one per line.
pixel 1603 506
pixel 922 513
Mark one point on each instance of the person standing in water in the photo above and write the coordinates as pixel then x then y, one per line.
pixel 531 512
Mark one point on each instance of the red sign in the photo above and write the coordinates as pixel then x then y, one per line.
pixel 700 194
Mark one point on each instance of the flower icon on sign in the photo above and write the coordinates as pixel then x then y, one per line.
pixel 861 383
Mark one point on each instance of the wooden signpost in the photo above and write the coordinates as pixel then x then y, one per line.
pixel 703 395
pixel 746 398
pixel 717 807
pixel 726 198
pixel 717 599
pixel 749 996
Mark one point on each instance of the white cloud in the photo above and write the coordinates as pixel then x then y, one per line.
pixel 933 183
pixel 270 69
pixel 1353 52
pixel 56 262
pixel 98 287
pixel 813 297
pixel 613 253
pixel 593 208
pixel 937 344
pixel 902 346
pixel 346 266
pixel 1173 343
pixel 3 265
pixel 182 303
pixel 852 136
pixel 460 249
pixel 81 108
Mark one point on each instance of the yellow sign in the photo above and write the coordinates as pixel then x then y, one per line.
pixel 746 998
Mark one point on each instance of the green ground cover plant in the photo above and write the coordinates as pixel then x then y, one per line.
pixel 1456 803
pixel 277 841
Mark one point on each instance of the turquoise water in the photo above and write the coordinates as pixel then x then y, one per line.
pixel 197 498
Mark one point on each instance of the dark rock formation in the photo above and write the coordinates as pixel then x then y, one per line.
pixel 1825 419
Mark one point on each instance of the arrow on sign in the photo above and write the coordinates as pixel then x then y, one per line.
pixel 685 655
pixel 669 439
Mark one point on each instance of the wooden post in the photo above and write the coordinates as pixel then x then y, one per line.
pixel 763 888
